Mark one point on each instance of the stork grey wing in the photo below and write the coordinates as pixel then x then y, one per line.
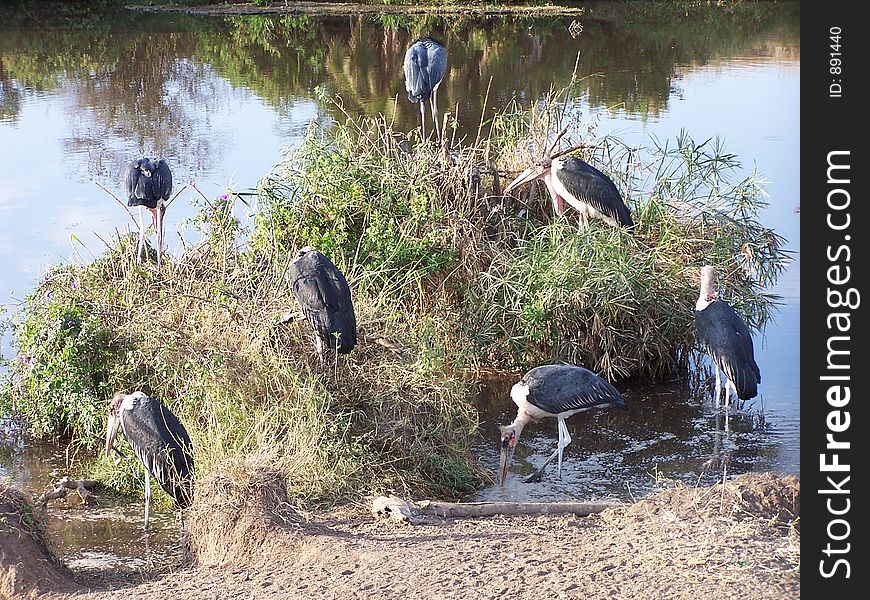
pixel 425 65
pixel 136 184
pixel 163 445
pixel 562 388
pixel 161 178
pixel 589 185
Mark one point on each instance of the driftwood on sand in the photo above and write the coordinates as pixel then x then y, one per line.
pixel 393 508
pixel 84 488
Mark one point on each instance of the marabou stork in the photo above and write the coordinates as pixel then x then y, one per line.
pixel 425 66
pixel 324 296
pixel 553 391
pixel 159 440
pixel 148 184
pixel 581 185
pixel 726 338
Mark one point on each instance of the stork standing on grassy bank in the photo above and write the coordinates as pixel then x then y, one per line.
pixel 726 338
pixel 425 66
pixel 148 184
pixel 581 185
pixel 553 391
pixel 324 296
pixel 159 440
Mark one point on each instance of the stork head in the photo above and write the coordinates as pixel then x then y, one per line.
pixel 117 405
pixel 303 251
pixel 114 420
pixel 510 434
pixel 144 166
pixel 537 171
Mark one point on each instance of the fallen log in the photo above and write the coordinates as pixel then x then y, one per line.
pixel 82 486
pixel 398 510
pixel 488 509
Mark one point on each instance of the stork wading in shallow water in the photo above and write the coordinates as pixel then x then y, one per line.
pixel 324 296
pixel 576 182
pixel 148 184
pixel 159 440
pixel 425 66
pixel 553 391
pixel 728 341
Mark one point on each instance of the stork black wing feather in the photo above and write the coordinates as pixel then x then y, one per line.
pixel 136 185
pixel 425 66
pixel 588 184
pixel 562 388
pixel 726 338
pixel 161 179
pixel 324 295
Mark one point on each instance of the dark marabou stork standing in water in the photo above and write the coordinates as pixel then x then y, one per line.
pixel 726 338
pixel 323 293
pixel 553 391
pixel 425 66
pixel 581 185
pixel 159 440
pixel 148 184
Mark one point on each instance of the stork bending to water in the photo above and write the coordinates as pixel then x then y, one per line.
pixel 553 391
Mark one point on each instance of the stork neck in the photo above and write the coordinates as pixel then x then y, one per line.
pixel 707 295
pixel 521 421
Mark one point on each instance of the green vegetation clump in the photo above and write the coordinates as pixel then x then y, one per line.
pixel 502 282
pixel 449 277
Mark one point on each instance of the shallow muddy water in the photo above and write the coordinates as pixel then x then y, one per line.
pixel 106 539
pixel 220 98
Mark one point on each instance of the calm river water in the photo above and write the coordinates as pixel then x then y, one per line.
pixel 221 98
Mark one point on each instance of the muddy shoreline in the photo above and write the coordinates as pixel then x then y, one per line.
pixel 740 539
pixel 341 9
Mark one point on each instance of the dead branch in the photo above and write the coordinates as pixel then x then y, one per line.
pixel 82 486
pixel 395 509
pixel 132 218
pixel 488 509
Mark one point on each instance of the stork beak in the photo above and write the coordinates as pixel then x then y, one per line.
pixel 111 432
pixel 507 453
pixel 526 176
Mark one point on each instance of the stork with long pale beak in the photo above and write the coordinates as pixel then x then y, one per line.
pixel 553 391
pixel 159 440
pixel 571 180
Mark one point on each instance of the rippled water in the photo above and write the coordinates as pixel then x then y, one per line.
pixel 106 539
pixel 221 98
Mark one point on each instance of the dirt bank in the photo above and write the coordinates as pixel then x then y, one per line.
pixel 737 540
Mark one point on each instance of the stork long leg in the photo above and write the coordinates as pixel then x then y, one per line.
pixel 434 101
pixel 141 245
pixel 158 217
pixel 423 118
pixel 564 440
pixel 718 384
pixel 147 496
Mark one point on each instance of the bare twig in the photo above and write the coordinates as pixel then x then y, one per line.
pixel 82 486
pixel 174 196
pixel 118 200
